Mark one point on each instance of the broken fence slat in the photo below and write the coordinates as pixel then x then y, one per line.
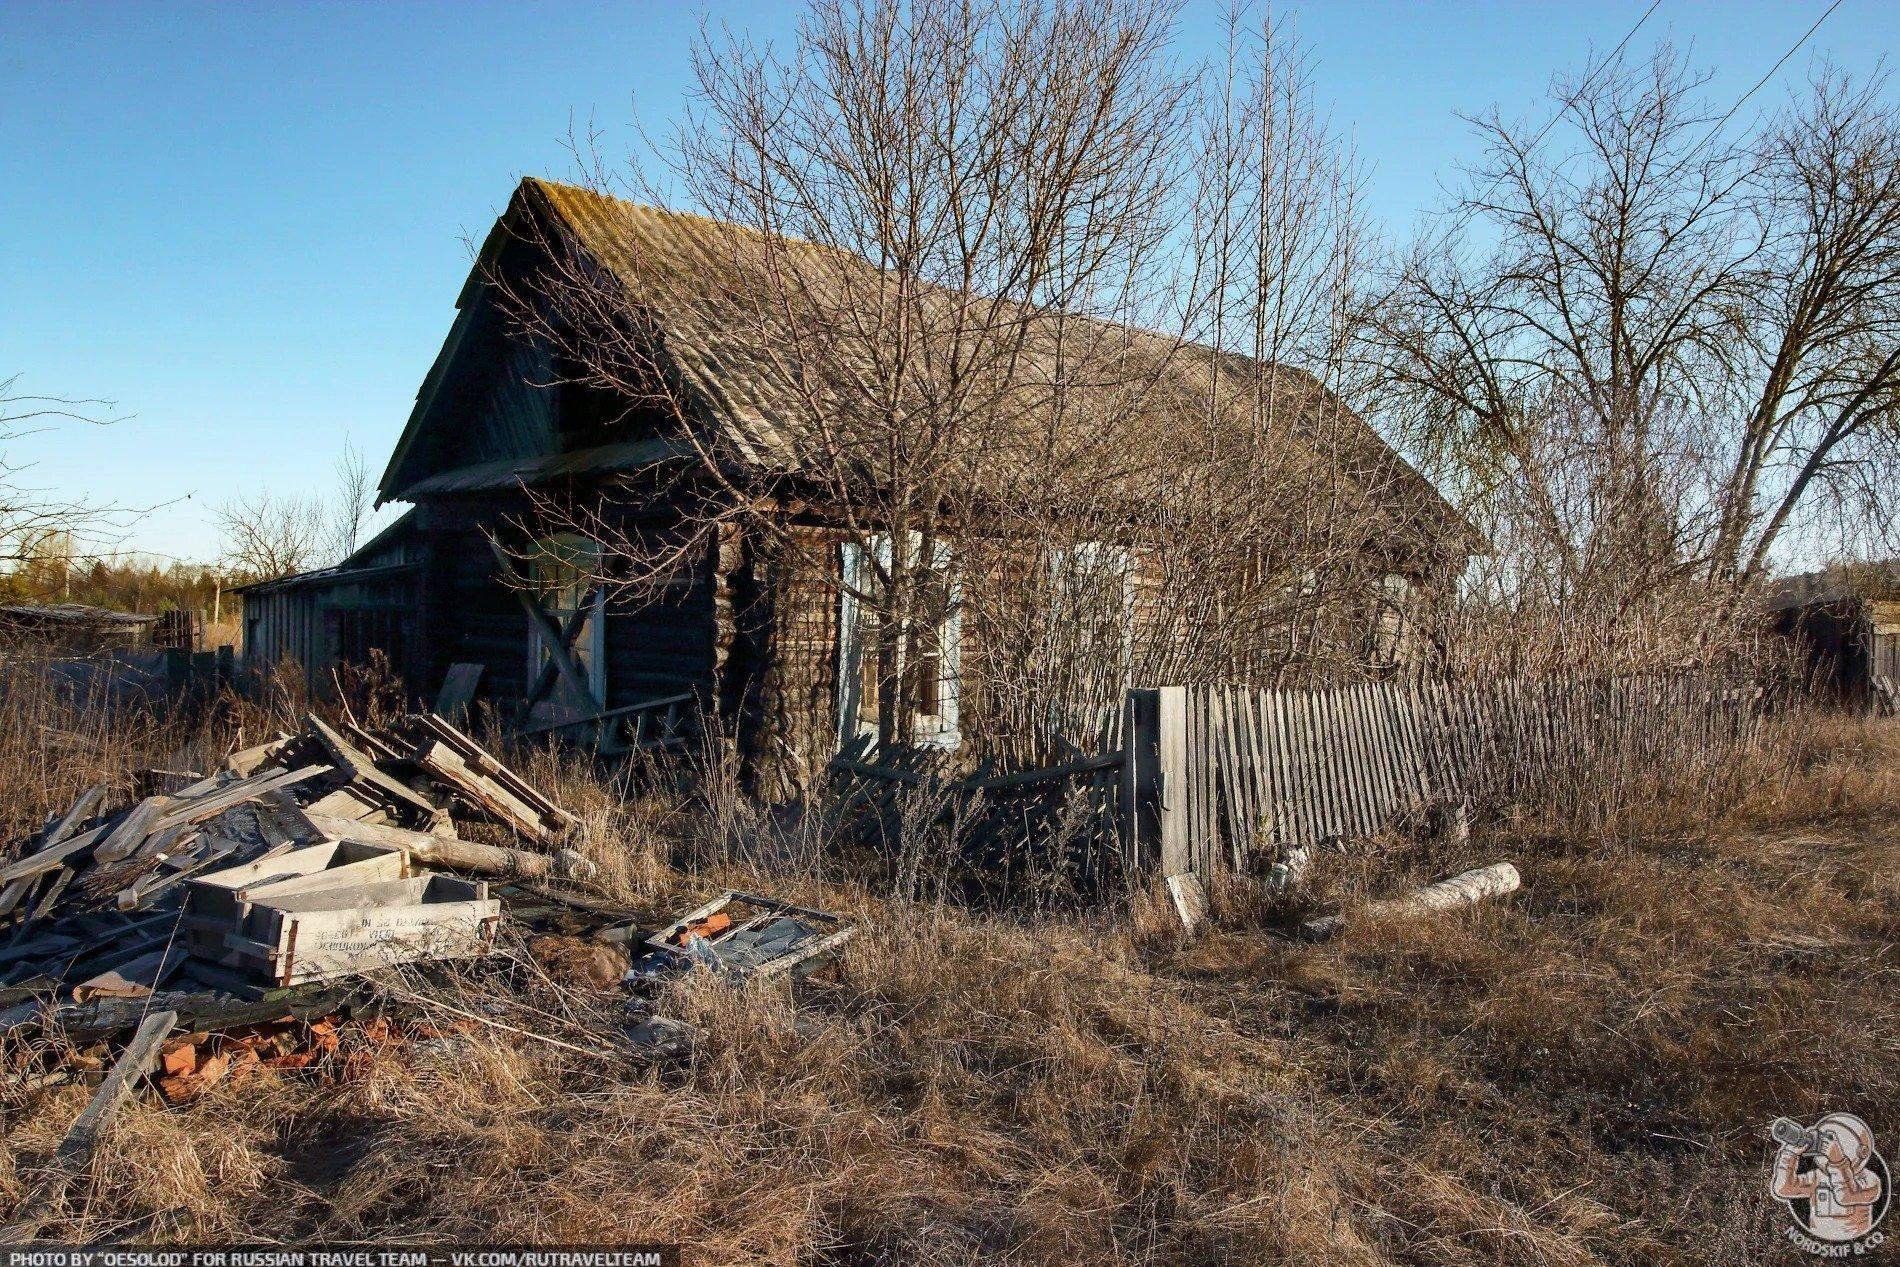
pixel 76 1149
pixel 1190 901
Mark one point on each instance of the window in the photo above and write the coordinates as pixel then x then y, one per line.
pixel 563 571
pixel 928 650
pixel 1389 644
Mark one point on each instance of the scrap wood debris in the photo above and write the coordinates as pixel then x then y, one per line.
pixel 768 937
pixel 301 861
pixel 246 906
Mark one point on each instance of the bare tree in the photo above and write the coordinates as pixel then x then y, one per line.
pixel 265 537
pixel 1674 345
pixel 1815 357
pixel 1049 331
pixel 30 517
pixel 939 219
pixel 354 503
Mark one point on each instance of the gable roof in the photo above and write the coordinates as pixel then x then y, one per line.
pixel 680 268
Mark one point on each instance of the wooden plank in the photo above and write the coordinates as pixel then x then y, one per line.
pixel 54 887
pixel 71 819
pixel 133 980
pixel 131 830
pixel 1171 720
pixel 344 803
pixel 76 1149
pixel 444 763
pixel 359 768
pixel 458 689
pixel 234 794
pixel 13 892
pixel 484 762
pixel 1190 901
pixel 249 761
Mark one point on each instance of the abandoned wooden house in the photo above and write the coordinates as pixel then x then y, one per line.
pixel 1845 625
pixel 770 646
pixel 73 628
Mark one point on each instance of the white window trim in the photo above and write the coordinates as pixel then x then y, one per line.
pixel 858 576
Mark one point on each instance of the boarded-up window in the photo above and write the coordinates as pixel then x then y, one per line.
pixel 563 569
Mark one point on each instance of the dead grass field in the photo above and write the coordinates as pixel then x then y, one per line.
pixel 1581 1073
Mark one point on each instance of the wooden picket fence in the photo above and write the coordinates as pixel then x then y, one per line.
pixel 1224 776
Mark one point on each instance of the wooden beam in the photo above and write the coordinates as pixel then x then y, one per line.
pixel 558 651
pixel 76 1149
pixel 361 768
pixel 457 855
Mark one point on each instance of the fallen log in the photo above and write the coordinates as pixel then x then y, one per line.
pixel 1464 889
pixel 459 855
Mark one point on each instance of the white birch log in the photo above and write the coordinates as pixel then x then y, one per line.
pixel 1464 889
pixel 459 855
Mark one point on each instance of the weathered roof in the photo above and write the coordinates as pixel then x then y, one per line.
pixel 1842 582
pixel 508 472
pixel 685 273
pixel 379 556
pixel 71 615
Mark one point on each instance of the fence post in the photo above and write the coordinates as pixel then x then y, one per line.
pixel 1140 793
pixel 1171 760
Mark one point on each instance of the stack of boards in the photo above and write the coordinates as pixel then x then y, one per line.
pixel 332 910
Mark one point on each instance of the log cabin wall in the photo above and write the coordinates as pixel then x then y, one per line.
pixel 791 714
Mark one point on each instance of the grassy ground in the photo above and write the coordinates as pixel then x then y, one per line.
pixel 1582 1073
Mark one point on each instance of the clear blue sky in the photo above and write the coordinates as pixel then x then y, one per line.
pixel 247 224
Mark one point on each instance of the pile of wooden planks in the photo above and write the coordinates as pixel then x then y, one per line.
pixel 93 907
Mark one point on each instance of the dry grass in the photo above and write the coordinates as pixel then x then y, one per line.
pixel 1581 1074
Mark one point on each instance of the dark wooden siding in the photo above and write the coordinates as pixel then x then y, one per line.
pixel 315 620
pixel 654 642
pixel 493 397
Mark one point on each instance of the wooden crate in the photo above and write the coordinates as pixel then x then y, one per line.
pixel 218 901
pixel 335 932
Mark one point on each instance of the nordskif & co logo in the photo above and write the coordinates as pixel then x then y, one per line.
pixel 1834 1183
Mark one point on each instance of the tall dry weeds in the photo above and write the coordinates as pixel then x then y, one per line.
pixel 1578 1075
